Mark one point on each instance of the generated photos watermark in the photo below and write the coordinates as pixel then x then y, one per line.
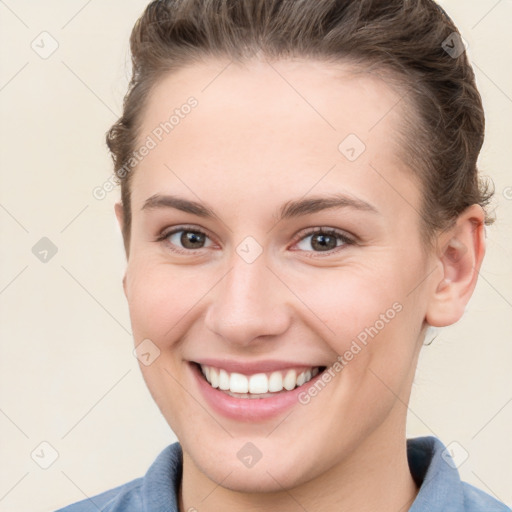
pixel 358 344
pixel 156 136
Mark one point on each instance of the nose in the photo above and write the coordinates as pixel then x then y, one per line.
pixel 249 302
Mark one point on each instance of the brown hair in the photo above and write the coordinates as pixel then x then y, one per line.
pixel 408 39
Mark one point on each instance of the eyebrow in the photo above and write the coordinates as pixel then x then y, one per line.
pixel 315 204
pixel 290 209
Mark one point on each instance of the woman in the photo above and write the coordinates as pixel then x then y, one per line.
pixel 300 203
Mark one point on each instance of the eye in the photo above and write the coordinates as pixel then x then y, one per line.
pixel 183 239
pixel 323 240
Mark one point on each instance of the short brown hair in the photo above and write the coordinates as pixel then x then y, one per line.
pixel 404 37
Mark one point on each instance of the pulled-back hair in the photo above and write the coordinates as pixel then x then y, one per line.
pixel 408 40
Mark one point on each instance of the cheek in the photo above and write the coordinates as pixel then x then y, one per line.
pixel 369 321
pixel 160 297
pixel 343 303
pixel 161 301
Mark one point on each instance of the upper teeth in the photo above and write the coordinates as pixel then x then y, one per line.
pixel 258 383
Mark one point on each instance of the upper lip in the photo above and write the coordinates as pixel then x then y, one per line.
pixel 253 367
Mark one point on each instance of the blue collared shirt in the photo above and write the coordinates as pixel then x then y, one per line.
pixel 441 488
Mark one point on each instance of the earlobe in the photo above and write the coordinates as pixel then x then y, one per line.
pixel 460 256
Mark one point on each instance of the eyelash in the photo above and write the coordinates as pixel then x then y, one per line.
pixel 345 239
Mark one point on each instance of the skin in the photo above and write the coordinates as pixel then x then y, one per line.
pixel 252 144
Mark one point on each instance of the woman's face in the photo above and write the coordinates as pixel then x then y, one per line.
pixel 275 229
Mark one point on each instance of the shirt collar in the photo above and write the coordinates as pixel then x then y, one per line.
pixel 160 488
pixel 435 473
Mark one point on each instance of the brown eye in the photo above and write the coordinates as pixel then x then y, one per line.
pixel 323 240
pixel 192 240
pixel 188 239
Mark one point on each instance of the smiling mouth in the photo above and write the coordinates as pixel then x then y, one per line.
pixel 258 385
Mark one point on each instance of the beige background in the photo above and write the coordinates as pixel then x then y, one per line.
pixel 67 373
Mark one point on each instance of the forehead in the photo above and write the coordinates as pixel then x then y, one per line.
pixel 335 98
pixel 285 123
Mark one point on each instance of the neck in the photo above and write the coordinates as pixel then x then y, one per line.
pixel 375 476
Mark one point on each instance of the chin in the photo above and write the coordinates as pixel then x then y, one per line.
pixel 268 475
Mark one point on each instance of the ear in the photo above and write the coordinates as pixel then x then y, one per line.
pixel 460 254
pixel 118 208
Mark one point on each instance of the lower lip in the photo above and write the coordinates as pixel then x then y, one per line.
pixel 248 409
